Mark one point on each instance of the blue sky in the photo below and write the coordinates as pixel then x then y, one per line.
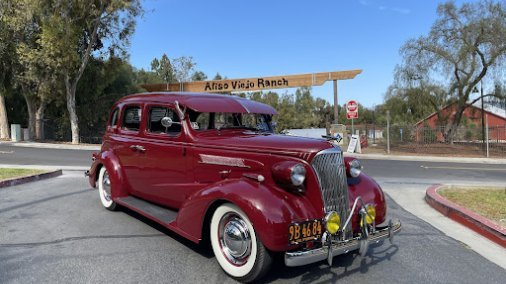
pixel 257 38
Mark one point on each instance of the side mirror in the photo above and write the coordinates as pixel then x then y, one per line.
pixel 167 122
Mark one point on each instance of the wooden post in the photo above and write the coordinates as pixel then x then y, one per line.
pixel 336 110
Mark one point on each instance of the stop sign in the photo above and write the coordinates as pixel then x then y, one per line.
pixel 352 109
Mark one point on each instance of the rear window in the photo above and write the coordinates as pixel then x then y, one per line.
pixel 131 118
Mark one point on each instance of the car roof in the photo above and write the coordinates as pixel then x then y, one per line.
pixel 203 102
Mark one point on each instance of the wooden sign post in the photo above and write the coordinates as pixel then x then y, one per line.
pixel 256 84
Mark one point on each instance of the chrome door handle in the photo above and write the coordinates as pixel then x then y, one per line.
pixel 138 148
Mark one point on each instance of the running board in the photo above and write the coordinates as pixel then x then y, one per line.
pixel 160 214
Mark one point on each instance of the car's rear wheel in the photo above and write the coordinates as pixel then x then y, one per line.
pixel 104 189
pixel 238 250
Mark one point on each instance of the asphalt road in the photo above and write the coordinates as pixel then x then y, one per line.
pixel 387 170
pixel 12 155
pixel 55 231
pixel 421 172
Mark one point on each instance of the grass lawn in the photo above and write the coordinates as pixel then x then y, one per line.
pixel 7 173
pixel 487 202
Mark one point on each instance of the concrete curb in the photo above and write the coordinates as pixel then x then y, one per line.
pixel 36 177
pixel 465 217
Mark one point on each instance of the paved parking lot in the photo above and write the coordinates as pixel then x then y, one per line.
pixel 55 231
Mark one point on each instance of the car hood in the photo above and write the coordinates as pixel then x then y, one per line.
pixel 272 143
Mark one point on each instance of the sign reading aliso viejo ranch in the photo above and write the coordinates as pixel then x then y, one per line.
pixel 255 84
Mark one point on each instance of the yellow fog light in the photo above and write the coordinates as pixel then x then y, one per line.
pixel 371 214
pixel 332 222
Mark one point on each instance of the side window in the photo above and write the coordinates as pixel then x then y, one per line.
pixel 202 121
pixel 114 118
pixel 155 121
pixel 131 118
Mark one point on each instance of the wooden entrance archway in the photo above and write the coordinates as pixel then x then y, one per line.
pixel 259 83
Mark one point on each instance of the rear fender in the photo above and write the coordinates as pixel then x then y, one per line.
pixel 270 210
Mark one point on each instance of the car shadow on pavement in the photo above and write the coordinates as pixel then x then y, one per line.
pixel 343 266
pixel 201 249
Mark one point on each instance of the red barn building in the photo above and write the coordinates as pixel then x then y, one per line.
pixel 471 119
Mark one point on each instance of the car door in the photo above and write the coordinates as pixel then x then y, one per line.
pixel 124 140
pixel 162 158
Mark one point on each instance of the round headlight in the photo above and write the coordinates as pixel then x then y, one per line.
pixel 355 168
pixel 298 174
pixel 332 222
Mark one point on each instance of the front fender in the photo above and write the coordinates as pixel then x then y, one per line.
pixel 270 210
pixel 370 192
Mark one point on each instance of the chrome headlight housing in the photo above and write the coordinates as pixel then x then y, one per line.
pixel 298 174
pixel 355 168
pixel 290 175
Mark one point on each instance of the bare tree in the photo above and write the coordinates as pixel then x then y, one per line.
pixel 463 45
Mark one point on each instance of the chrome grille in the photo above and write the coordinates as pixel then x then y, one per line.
pixel 330 170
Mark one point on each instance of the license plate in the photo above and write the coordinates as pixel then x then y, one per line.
pixel 304 231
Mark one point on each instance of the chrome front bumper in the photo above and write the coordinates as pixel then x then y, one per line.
pixel 299 258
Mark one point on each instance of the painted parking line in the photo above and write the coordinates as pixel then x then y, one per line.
pixel 6 152
pixel 465 169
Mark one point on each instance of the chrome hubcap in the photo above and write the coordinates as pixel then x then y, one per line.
pixel 106 186
pixel 235 239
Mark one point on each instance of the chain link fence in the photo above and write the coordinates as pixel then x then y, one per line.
pixel 468 141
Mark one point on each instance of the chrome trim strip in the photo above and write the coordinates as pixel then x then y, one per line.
pixel 299 258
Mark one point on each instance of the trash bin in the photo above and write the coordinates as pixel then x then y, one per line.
pixel 26 134
pixel 15 132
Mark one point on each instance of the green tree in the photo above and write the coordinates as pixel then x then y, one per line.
pixel 7 61
pixel 286 113
pixel 305 109
pixel 464 44
pixel 217 77
pixel 75 29
pixel 199 76
pixel 163 69
pixel 143 77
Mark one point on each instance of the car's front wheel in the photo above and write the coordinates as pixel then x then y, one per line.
pixel 238 250
pixel 104 189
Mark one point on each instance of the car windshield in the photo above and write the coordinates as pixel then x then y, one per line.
pixel 224 120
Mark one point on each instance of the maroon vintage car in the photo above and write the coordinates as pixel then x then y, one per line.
pixel 210 168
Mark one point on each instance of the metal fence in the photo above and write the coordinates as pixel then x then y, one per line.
pixel 467 141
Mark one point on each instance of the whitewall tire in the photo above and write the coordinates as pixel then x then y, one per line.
pixel 104 189
pixel 236 246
